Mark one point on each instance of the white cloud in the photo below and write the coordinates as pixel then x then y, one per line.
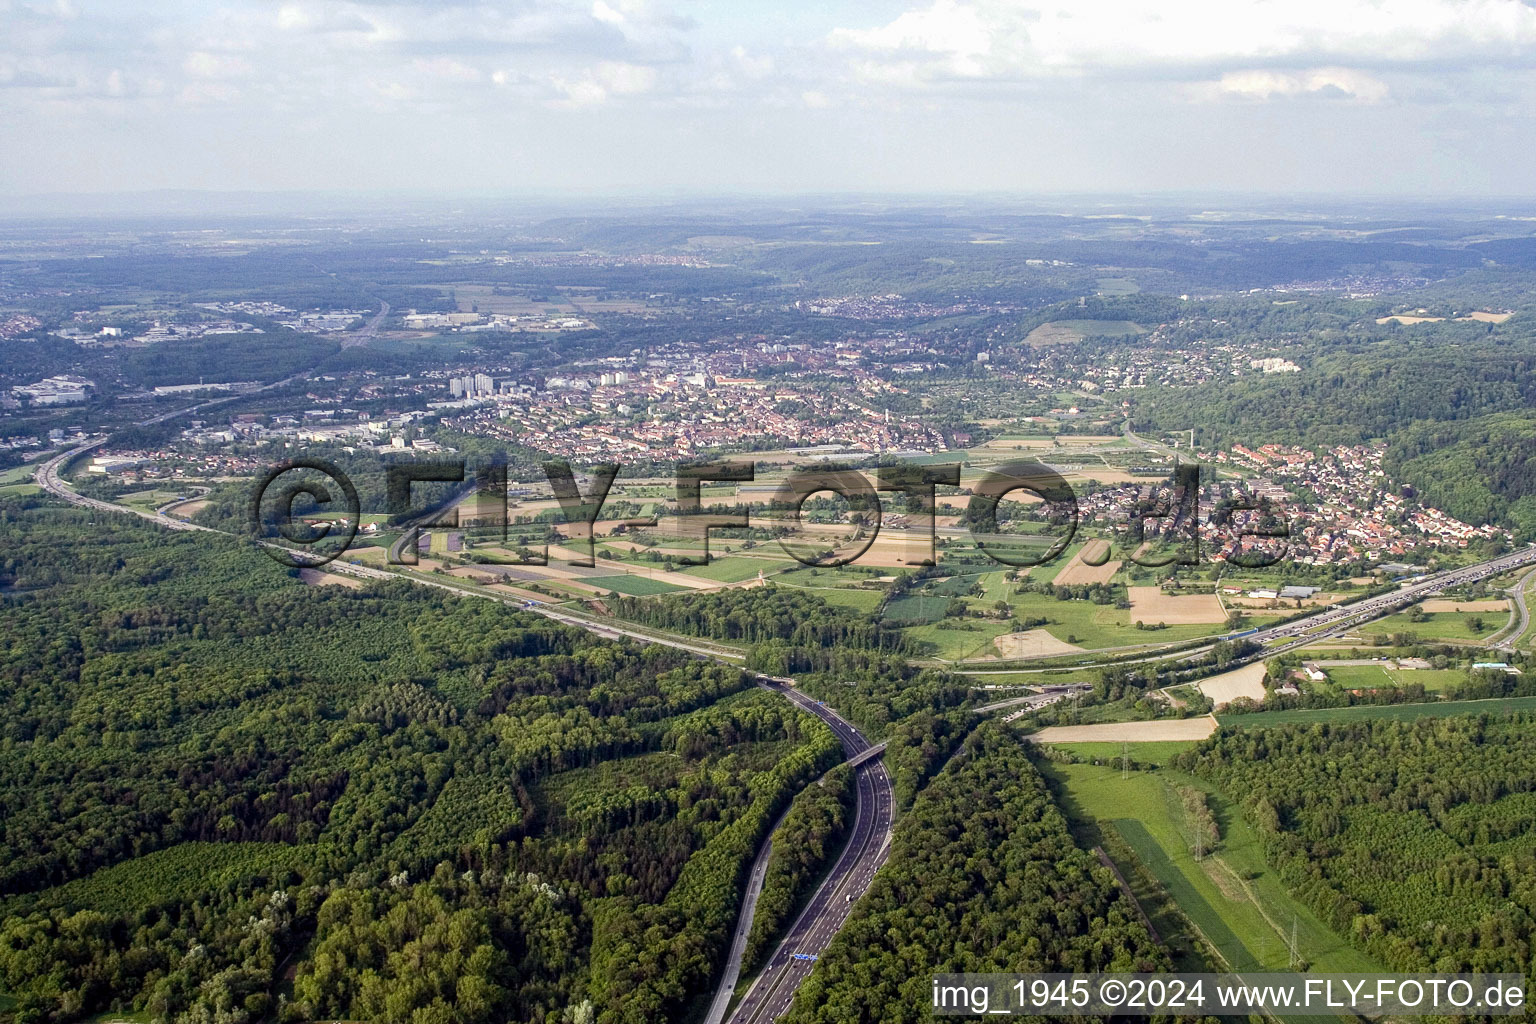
pixel 1263 85
pixel 202 64
pixel 607 79
pixel 602 12
pixel 446 69
pixel 751 66
pixel 26 78
pixel 299 17
pixel 1004 39
pixel 950 92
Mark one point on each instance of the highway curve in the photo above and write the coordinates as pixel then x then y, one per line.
pixel 774 989
pixel 822 918
pixel 850 877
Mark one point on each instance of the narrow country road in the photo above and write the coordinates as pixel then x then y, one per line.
pixel 759 872
pixel 1520 616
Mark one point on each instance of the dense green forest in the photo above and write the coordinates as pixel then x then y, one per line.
pixel 846 658
pixel 983 876
pixel 760 615
pixel 1481 470
pixel 1350 395
pixel 272 356
pixel 1415 838
pixel 228 796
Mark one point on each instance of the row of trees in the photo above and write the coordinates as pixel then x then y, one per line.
pixel 760 615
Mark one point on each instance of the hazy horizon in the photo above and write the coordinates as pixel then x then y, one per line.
pixel 1408 97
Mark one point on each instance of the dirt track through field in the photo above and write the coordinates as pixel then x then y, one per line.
pixel 1150 604
pixel 1247 681
pixel 1128 732
pixel 1077 572
pixel 1032 643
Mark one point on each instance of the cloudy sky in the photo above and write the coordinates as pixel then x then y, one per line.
pixel 1357 96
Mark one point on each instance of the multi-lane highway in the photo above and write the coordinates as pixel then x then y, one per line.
pixel 47 477
pixel 727 986
pixel 1340 618
pixel 868 845
pixel 369 330
pixel 849 878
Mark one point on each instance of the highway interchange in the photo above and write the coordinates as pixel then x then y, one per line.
pixel 869 843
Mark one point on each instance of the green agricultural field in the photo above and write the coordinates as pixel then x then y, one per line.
pixel 1066 331
pixel 1142 753
pixel 954 644
pixel 17 480
pixel 150 499
pixel 1438 625
pixel 1351 677
pixel 848 597
pixel 1238 904
pixel 954 586
pixel 634 586
pixel 832 585
pixel 1403 712
pixel 734 569
pixel 995 587
pixel 1370 677
pixel 1092 625
pixel 1435 680
pixel 1117 286
pixel 915 608
pixel 437 346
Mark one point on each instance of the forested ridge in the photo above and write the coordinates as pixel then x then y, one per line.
pixel 1415 839
pixel 1480 470
pixel 230 797
pixel 1456 416
pixel 1350 396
